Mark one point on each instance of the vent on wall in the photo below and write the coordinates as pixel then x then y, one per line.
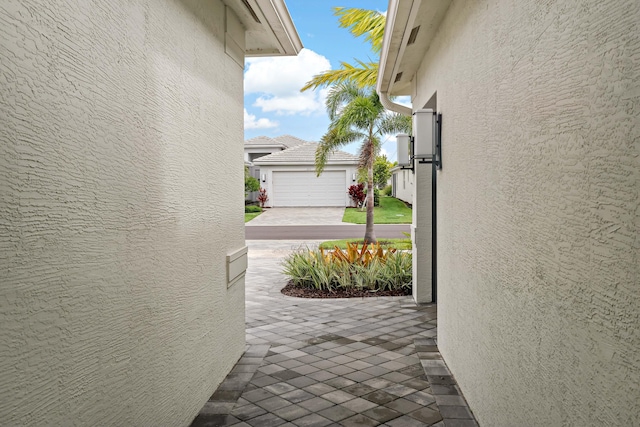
pixel 413 35
pixel 251 11
pixel 398 77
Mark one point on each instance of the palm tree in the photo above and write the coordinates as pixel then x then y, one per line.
pixel 356 114
pixel 360 22
pixel 353 105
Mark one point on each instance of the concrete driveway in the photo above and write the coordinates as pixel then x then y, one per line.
pixel 298 216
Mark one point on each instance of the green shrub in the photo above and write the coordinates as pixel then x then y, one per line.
pixel 370 267
pixel 250 183
pixel 252 209
pixel 387 190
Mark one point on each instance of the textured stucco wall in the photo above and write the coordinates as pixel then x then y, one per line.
pixel 421 233
pixel 121 147
pixel 538 208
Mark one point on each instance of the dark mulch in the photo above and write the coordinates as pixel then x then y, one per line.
pixel 295 291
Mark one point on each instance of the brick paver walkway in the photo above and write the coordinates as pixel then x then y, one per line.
pixel 320 362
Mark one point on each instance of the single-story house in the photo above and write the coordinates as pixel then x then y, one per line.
pixel 261 146
pixel 291 181
pixel 529 233
pixel 402 184
pixel 122 256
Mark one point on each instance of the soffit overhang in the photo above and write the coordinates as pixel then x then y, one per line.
pixel 403 52
pixel 305 163
pixel 258 146
pixel 269 29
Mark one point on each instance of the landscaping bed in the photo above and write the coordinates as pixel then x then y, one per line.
pixel 399 244
pixel 292 290
pixel 364 271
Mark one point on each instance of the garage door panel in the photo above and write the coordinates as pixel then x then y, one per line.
pixel 303 188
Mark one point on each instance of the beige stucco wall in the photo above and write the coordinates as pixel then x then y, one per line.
pixel 538 208
pixel 121 147
pixel 421 234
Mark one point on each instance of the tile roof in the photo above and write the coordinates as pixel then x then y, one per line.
pixel 305 153
pixel 284 141
pixel 264 141
pixel 290 140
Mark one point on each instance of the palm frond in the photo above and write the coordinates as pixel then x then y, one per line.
pixel 365 74
pixel 360 22
pixel 394 123
pixel 340 95
pixel 369 23
pixel 361 113
pixel 335 138
pixel 322 155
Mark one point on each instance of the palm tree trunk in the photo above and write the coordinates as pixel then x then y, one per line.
pixel 369 233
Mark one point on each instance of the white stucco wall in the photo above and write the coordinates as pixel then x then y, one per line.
pixel 119 122
pixel 538 208
pixel 404 187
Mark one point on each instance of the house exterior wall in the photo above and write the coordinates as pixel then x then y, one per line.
pixel 267 171
pixel 403 185
pixel 421 235
pixel 538 218
pixel 118 123
pixel 252 196
pixel 250 154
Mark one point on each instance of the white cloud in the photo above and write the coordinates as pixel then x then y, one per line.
pixel 404 100
pixel 278 81
pixel 298 103
pixel 250 122
pixel 284 74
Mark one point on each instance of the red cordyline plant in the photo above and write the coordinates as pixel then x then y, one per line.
pixel 357 194
pixel 262 197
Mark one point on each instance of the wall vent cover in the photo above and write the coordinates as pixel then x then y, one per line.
pixel 251 11
pixel 413 35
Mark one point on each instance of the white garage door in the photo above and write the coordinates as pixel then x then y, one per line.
pixel 298 188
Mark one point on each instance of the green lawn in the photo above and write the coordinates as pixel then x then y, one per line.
pixel 249 216
pixel 390 211
pixel 342 244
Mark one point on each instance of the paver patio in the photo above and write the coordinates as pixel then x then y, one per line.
pixel 320 362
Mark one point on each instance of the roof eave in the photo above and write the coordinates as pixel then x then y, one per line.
pixel 264 146
pixel 399 60
pixel 269 29
pixel 336 163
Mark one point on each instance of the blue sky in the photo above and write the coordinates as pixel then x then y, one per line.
pixel 273 102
